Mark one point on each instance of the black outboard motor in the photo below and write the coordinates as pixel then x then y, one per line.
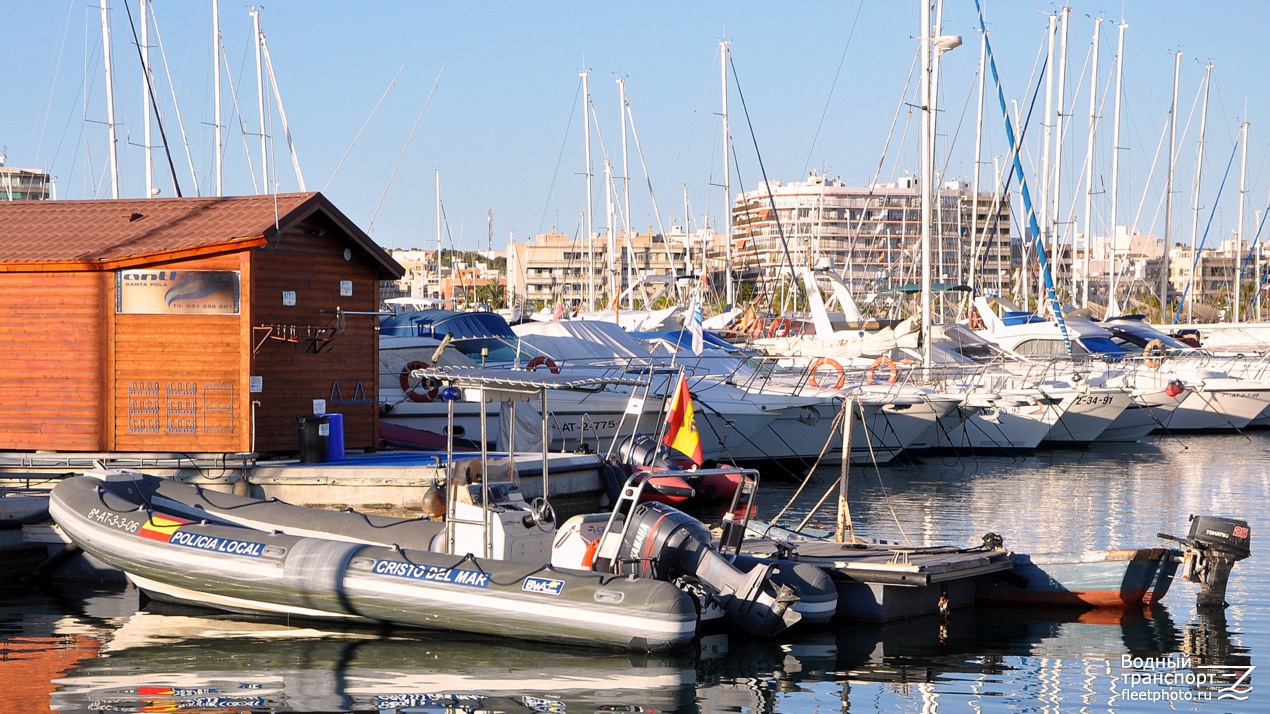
pixel 643 450
pixel 1213 547
pixel 663 543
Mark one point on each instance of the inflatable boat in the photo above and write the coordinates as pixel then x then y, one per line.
pixel 496 565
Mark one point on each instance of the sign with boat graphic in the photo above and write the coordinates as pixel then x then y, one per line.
pixel 185 292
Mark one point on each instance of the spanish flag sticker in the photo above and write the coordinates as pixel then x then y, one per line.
pixel 160 527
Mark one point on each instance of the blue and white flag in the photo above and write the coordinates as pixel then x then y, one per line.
pixel 694 323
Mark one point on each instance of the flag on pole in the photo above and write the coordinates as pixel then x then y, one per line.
pixel 681 424
pixel 695 327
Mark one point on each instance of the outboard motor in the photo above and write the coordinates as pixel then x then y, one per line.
pixel 643 450
pixel 663 543
pixel 1213 547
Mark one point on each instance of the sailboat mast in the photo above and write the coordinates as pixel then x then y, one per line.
pixel 937 207
pixel 216 127
pixel 928 162
pixel 110 102
pixel 1056 218
pixel 1112 273
pixel 1047 147
pixel 437 180
pixel 626 192
pixel 260 103
pixel 590 239
pixel 145 98
pixel 730 289
pixel 1239 230
pixel 1089 167
pixel 1199 170
pixel 612 241
pixel 1168 195
pixel 971 275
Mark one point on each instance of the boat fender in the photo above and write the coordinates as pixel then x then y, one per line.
pixel 1174 388
pixel 879 362
pixel 830 363
pixel 612 477
pixel 429 386
pixel 541 361
pixel 433 503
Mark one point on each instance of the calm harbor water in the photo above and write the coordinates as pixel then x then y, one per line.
pixel 100 651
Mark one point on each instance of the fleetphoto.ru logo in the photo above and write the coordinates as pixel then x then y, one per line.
pixel 1176 678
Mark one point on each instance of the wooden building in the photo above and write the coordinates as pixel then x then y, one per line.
pixel 189 325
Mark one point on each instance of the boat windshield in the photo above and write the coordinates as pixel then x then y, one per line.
pixel 1082 348
pixel 1134 341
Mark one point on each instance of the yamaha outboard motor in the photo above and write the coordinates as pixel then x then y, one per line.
pixel 663 543
pixel 643 450
pixel 1213 547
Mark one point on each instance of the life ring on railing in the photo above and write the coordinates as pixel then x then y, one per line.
pixel 540 361
pixel 780 327
pixel 826 362
pixel 1154 353
pixel 409 389
pixel 756 330
pixel 880 361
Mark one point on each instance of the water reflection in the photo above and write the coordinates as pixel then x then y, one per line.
pixel 102 651
pixel 178 659
pixel 169 658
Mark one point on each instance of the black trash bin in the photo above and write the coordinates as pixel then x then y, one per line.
pixel 315 435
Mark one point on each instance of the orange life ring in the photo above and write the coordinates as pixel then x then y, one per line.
pixel 780 327
pixel 409 389
pixel 1154 353
pixel 588 558
pixel 539 361
pixel 756 330
pixel 890 364
pixel 826 362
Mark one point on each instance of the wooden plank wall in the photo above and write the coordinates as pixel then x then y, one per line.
pixel 344 372
pixel 51 337
pixel 179 383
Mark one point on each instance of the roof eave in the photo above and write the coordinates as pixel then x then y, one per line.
pixel 132 261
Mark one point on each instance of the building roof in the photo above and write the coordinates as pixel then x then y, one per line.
pixel 119 233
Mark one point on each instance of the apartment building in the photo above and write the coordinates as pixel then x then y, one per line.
pixel 583 273
pixel 872 234
pixel 23 184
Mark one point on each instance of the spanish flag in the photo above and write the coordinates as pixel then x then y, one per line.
pixel 681 424
pixel 161 526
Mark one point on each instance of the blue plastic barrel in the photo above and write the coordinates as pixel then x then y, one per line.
pixel 335 442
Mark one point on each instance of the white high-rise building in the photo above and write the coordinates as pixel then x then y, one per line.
pixel 872 235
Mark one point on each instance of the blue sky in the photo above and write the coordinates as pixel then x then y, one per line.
pixel 820 84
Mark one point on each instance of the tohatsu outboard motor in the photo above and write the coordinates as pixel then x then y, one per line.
pixel 663 543
pixel 1213 547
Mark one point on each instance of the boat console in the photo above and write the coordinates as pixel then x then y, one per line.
pixel 489 516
